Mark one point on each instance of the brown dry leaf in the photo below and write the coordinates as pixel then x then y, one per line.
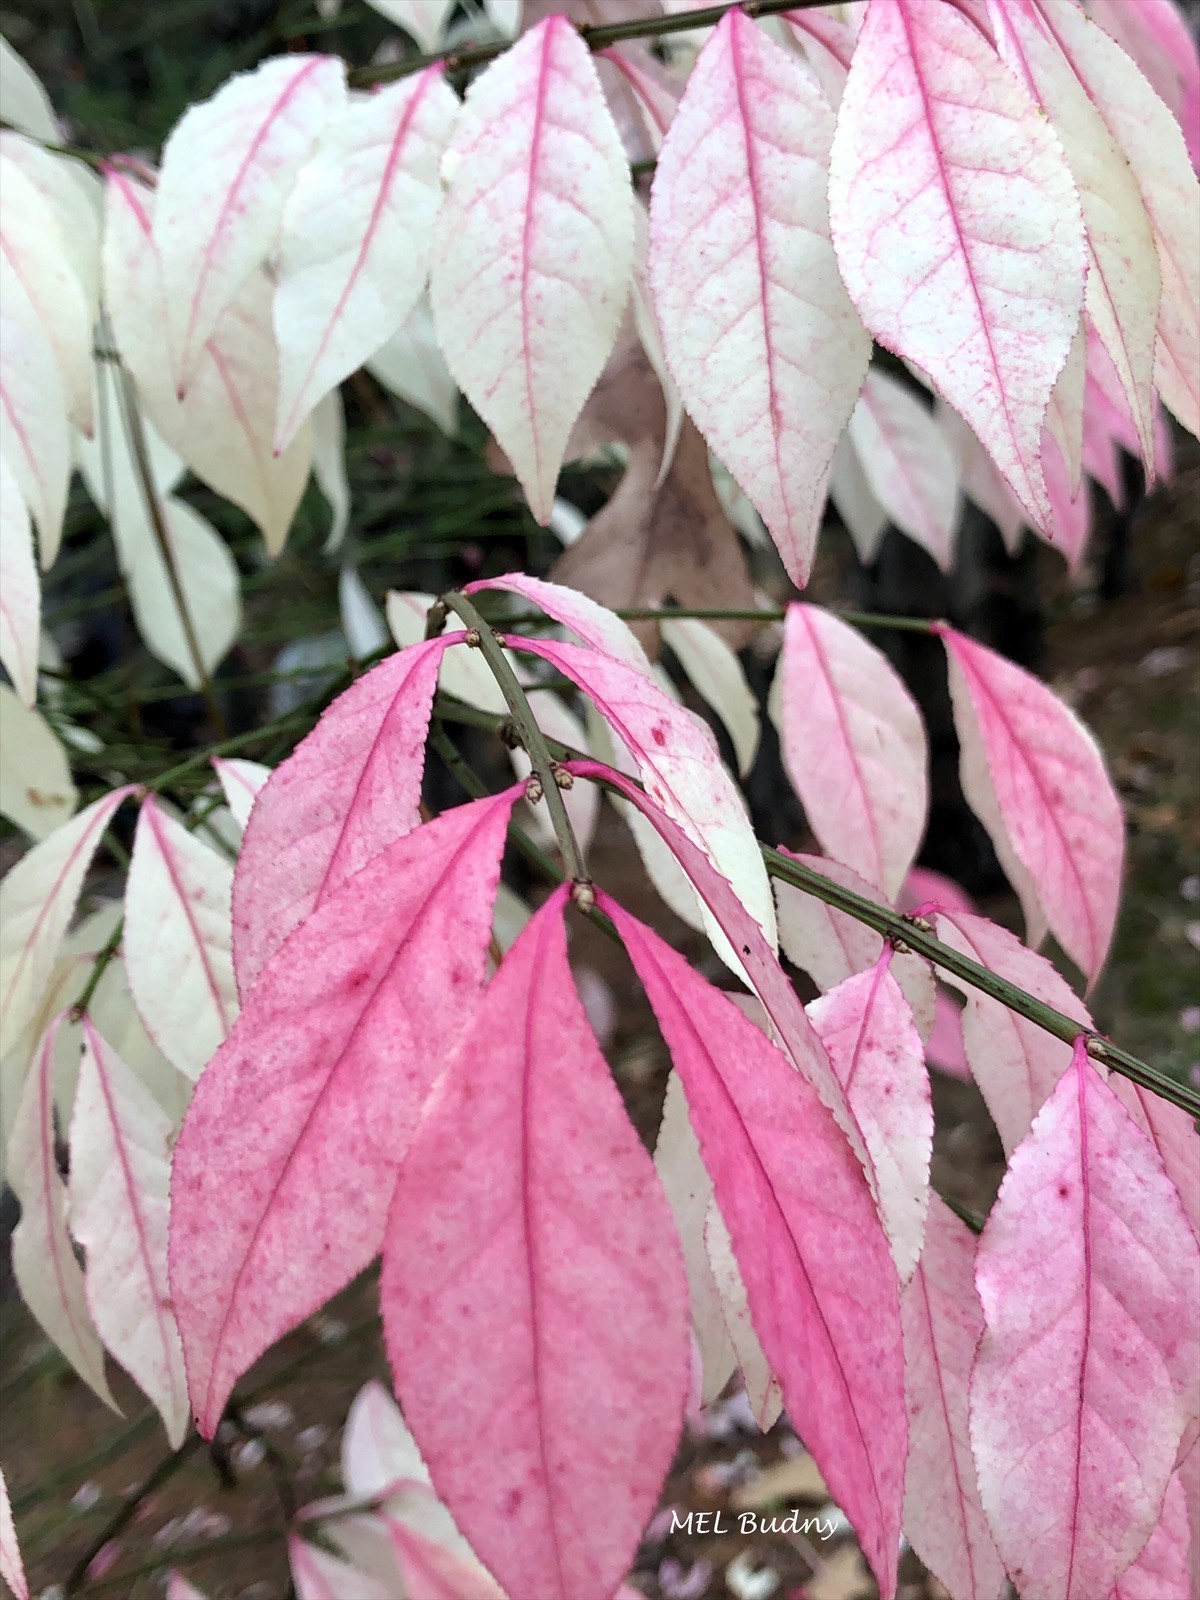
pixel 843 1576
pixel 794 1478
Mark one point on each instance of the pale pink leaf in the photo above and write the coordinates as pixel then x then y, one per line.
pixel 33 413
pixel 1064 416
pixel 1124 284
pixel 223 427
pixel 819 1278
pixel 48 1276
pixel 853 744
pixel 945 1048
pixel 533 248
pixel 463 673
pixel 831 945
pixel 227 169
pixel 688 1188
pixel 943 1321
pixel 120 1171
pixel 287 1158
pixel 1151 141
pixel 12 1568
pixel 20 591
pixel 1036 779
pixel 759 332
pixel 531 1264
pixel 321 1576
pixel 827 42
pixel 1015 1063
pixel 178 940
pixel 24 103
pixel 924 887
pixel 1174 1136
pixel 356 238
pixel 347 790
pixel 957 226
pixel 1070 524
pixel 1189 1476
pixel 1102 429
pixel 74 194
pixel 716 674
pixel 868 1031
pixel 1089 1273
pixel 1161 1571
pixel 178 1588
pixel 591 623
pixel 679 763
pixel 433 1570
pixel 1155 33
pixel 412 366
pixel 980 479
pixel 762 1387
pixel 755 956
pixel 37 901
pixel 378 1452
pixel 863 517
pixel 240 782
pixel 908 463
pixel 33 246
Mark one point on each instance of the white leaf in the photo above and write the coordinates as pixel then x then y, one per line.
pixel 853 744
pixel 35 248
pixel 20 590
pixel 762 1388
pixel 767 350
pixel 1064 415
pixel 716 675
pixel 227 169
pixel 24 104
pixel 178 940
pixel 378 1452
pixel 120 1173
pixel 463 673
pixel 240 781
pixel 356 238
pixel 44 1263
pixel 361 620
pixel 224 426
pixel 208 576
pixel 12 1568
pixel 33 412
pixel 108 466
pixel 864 518
pixel 411 365
pixel 908 464
pixel 36 791
pixel 980 477
pixel 329 464
pixel 422 20
pixel 37 900
pixel 74 194
pixel 534 248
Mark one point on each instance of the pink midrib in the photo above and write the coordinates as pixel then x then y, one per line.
pixel 131 1189
pixel 754 187
pixel 364 249
pixel 150 812
pixel 928 103
pixel 952 1451
pixel 210 248
pixel 879 971
pixel 1082 1066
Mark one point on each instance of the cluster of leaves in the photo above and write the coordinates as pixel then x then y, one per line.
pixel 271 1074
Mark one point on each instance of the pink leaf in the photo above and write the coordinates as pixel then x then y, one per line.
pixel 1161 1571
pixel 1173 1134
pixel 944 1048
pixel 12 1568
pixel 909 464
pixel 240 782
pixel 1015 1063
pixel 177 940
pixel 1034 776
pixel 287 1157
pixel 759 333
pixel 943 1321
pixel 120 1170
pixel 531 1265
pixel 356 238
pixel 818 1275
pixel 437 1568
pixel 755 956
pixel 44 1264
pixel 37 901
pixel 1070 512
pixel 867 1028
pixel 1123 283
pixel 347 790
pixel 178 1588
pixel 828 46
pixel 1087 1372
pixel 533 248
pixel 20 591
pixel 1150 140
pixel 853 744
pixel 227 169
pixel 679 764
pixel 591 623
pixel 957 226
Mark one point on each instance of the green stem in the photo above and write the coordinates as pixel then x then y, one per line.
pixel 545 768
pixel 858 619
pixel 595 35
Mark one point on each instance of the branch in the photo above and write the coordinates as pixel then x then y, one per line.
pixel 595 35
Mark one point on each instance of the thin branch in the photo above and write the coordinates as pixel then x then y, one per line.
pixel 595 35
pixel 162 536
pixel 127 1510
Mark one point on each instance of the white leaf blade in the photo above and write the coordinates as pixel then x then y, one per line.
pixel 36 791
pixel 20 590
